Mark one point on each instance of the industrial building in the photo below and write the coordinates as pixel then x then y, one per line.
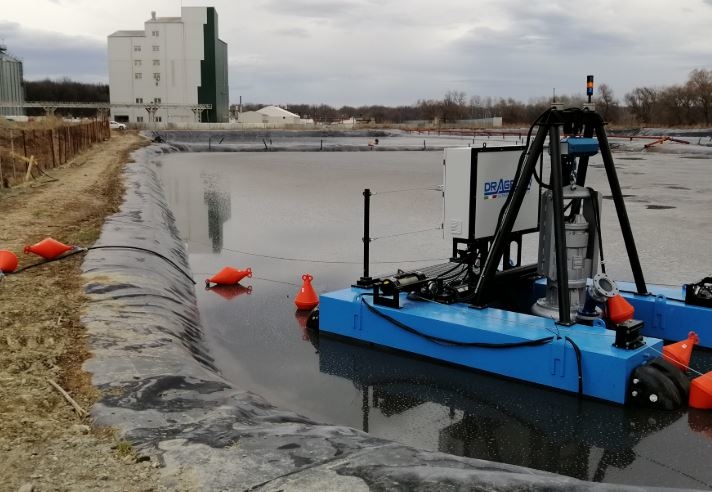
pixel 170 71
pixel 269 116
pixel 10 84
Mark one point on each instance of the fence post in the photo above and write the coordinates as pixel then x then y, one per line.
pixel 51 143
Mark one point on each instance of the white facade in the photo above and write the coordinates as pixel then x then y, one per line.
pixel 160 67
pixel 269 115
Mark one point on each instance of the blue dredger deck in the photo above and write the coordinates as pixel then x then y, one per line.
pixel 605 369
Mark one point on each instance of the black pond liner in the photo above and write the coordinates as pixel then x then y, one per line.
pixel 161 390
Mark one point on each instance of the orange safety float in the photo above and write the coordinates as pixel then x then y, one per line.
pixel 8 261
pixel 307 297
pixel 48 248
pixel 619 310
pixel 228 276
pixel 701 392
pixel 679 353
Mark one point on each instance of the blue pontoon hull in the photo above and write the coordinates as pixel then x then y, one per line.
pixel 605 369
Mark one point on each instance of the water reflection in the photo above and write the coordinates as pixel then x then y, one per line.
pixel 501 421
pixel 218 203
pixel 229 292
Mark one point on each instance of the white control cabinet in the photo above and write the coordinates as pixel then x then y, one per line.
pixel 477 182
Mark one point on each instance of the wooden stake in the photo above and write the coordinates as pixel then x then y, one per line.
pixel 80 411
pixel 30 163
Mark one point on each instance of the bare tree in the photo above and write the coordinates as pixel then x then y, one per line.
pixel 700 85
pixel 454 106
pixel 606 103
pixel 642 103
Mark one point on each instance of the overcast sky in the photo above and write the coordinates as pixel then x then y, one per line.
pixel 390 51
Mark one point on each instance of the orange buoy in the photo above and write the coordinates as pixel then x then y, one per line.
pixel 48 248
pixel 229 276
pixel 619 310
pixel 230 291
pixel 307 297
pixel 8 261
pixel 679 353
pixel 701 392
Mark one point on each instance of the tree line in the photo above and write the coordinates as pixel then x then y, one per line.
pixel 686 104
pixel 64 90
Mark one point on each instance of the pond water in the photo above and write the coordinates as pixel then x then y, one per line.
pixel 288 213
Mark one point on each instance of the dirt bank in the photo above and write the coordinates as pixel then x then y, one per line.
pixel 42 440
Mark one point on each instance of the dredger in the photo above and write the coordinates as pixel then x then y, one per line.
pixel 561 322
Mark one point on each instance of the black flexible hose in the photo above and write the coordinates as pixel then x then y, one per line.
pixel 73 252
pixel 150 251
pixel 455 343
pixel 505 345
pixel 577 351
pixel 78 250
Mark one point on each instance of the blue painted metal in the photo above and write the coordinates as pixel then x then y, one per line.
pixel 667 316
pixel 664 312
pixel 579 146
pixel 605 368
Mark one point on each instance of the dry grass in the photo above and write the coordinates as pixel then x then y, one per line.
pixel 41 336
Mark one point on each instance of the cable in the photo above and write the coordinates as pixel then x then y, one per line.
pixel 374 193
pixel 677 362
pixel 150 251
pixel 454 343
pixel 40 263
pixel 443 341
pixel 577 351
pixel 407 233
pixel 331 262
pixel 78 250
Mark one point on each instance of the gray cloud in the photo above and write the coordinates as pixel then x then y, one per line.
pixel 53 55
pixel 293 32
pixel 396 52
pixel 316 9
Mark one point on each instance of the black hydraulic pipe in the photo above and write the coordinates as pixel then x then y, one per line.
pixel 619 203
pixel 510 215
pixel 562 273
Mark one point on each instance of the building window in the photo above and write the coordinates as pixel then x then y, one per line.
pixel 156 47
pixel 139 119
pixel 138 76
pixel 157 119
pixel 137 47
pixel 156 76
pixel 139 100
pixel 156 63
pixel 137 63
pixel 157 100
pixel 154 34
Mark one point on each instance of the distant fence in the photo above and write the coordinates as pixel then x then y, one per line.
pixel 26 152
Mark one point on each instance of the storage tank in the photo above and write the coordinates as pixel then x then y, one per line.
pixel 11 90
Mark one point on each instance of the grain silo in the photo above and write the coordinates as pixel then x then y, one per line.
pixel 10 84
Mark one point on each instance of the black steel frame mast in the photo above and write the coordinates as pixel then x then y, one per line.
pixel 549 125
